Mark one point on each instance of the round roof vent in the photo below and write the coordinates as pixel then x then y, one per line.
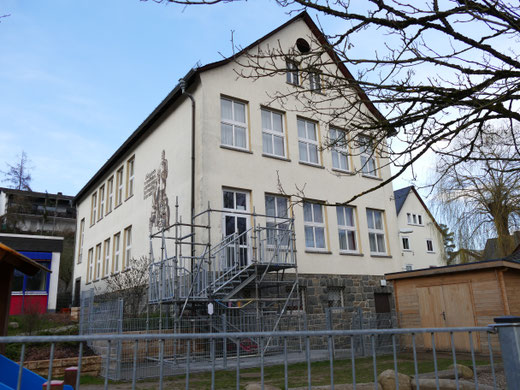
pixel 303 46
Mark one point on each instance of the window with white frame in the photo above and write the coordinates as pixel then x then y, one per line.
pixel 314 81
pixel 277 224
pixel 81 239
pixel 292 73
pixel 335 297
pixel 367 153
pixel 127 255
pixel 429 246
pixel 115 253
pixel 347 229
pixel 90 263
pixel 339 149
pixel 233 123
pixel 101 202
pixel 106 257
pixel 93 209
pixel 308 144
pixel 376 232
pixel 130 177
pixel 405 241
pixel 119 186
pixel 314 224
pixel 98 261
pixel 273 137
pixel 414 219
pixel 110 194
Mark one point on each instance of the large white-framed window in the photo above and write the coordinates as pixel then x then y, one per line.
pixel 405 242
pixel 308 144
pixel 292 73
pixel 130 176
pixel 90 265
pixel 233 123
pixel 314 225
pixel 339 149
pixel 93 209
pixel 376 232
pixel 277 223
pixel 367 154
pixel 98 261
pixel 101 202
pixel 347 229
pixel 106 257
pixel 127 255
pixel 119 186
pixel 81 240
pixel 110 194
pixel 116 253
pixel 273 136
pixel 429 246
pixel 315 81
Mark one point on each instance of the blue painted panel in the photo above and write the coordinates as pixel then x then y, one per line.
pixel 37 255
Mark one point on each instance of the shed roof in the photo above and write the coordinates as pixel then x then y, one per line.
pixel 19 261
pixel 448 269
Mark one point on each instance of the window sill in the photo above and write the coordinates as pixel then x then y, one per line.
pixel 431 253
pixel 108 213
pixel 294 85
pixel 415 224
pixel 104 277
pixel 236 149
pixel 351 254
pixel 99 219
pixel 129 197
pixel 276 157
pixel 371 177
pixel 311 164
pixel 349 173
pixel 380 256
pixel 92 225
pixel 322 252
pixel 407 250
pixel 118 205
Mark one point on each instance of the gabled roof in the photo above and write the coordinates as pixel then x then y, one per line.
pixel 400 197
pixel 192 76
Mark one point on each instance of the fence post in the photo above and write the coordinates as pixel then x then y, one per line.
pixel 120 331
pixel 509 336
pixel 224 341
pixel 328 317
pixel 361 321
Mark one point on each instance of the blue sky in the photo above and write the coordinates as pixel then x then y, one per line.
pixel 78 77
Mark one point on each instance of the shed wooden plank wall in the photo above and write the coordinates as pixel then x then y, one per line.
pixel 512 282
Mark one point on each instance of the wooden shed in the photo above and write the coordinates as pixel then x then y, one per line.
pixel 470 294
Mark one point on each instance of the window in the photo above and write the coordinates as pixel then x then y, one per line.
pixel 368 161
pixel 130 177
pixel 346 229
pixel 233 123
pixel 115 253
pixel 292 73
pixel 414 219
pixel 81 239
pixel 98 261
pixel 376 232
pixel 308 141
pixel 277 224
pixel 37 282
pixel 408 267
pixel 119 189
pixel 110 194
pixel 294 305
pixel 93 209
pixel 106 257
pixel 339 149
pixel 90 260
pixel 314 224
pixel 406 243
pixel 101 201
pixel 429 245
pixel 419 219
pixel 127 255
pixel 273 137
pixel 335 297
pixel 314 81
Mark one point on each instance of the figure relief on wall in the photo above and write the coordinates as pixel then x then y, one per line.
pixel 160 215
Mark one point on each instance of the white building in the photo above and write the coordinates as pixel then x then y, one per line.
pixel 420 235
pixel 244 146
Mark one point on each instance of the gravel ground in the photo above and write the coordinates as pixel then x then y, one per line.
pixel 485 378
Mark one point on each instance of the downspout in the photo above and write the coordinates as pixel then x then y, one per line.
pixel 182 83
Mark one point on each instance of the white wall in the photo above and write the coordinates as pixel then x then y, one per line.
pixel 53 281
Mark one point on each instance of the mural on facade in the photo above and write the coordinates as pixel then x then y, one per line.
pixel 155 186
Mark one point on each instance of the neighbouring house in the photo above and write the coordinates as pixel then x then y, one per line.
pixel 36 292
pixel 420 236
pixel 493 251
pixel 218 140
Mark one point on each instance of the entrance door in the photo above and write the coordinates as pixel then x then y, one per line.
pixel 235 225
pixel 444 306
pixel 77 288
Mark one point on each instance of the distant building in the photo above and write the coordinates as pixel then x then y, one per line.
pixel 36 212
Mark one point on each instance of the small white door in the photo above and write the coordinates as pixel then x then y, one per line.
pixel 235 221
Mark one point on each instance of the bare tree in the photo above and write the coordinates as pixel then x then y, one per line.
pixel 131 284
pixel 481 199
pixel 19 175
pixel 444 72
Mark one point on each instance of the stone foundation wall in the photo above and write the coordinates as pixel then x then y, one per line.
pixel 90 365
